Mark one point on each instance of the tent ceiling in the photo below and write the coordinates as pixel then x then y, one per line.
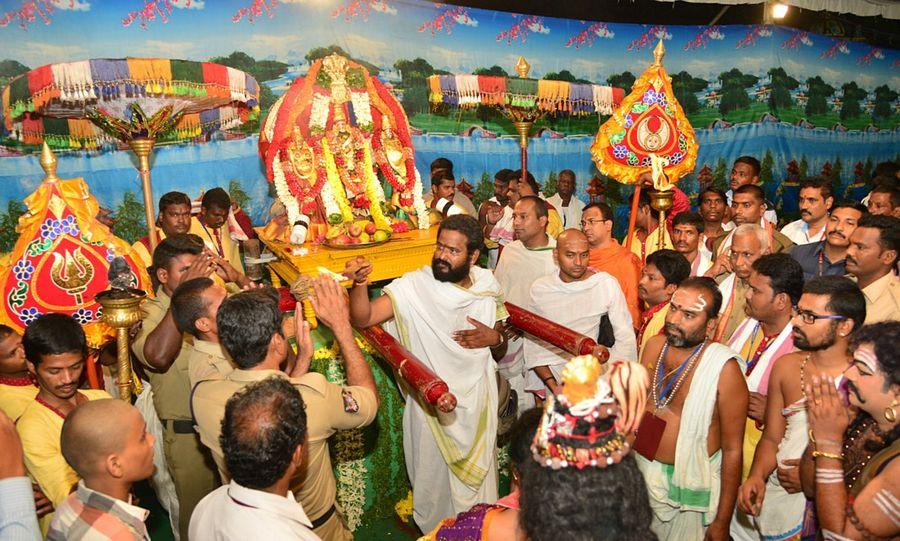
pixel 875 30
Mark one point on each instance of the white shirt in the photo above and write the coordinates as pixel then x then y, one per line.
pixel 571 215
pixel 236 513
pixel 798 232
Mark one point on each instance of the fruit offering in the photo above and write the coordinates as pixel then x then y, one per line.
pixel 355 234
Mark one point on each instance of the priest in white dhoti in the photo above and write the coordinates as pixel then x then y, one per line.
pixel 691 459
pixel 445 315
pixel 521 263
pixel 554 296
pixel 775 286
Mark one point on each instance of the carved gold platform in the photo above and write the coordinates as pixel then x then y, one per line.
pixel 403 253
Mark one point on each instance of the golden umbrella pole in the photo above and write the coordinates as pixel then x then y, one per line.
pixel 121 310
pixel 523 119
pixel 661 201
pixel 142 148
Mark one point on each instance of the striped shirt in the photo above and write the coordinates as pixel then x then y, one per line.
pixel 92 516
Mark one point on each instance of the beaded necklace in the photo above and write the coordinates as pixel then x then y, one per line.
pixel 663 393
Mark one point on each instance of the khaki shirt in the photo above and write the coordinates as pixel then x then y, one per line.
pixel 314 486
pixel 207 360
pixel 171 389
pixel 883 299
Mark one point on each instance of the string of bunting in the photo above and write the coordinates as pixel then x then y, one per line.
pixel 49 102
pixel 558 97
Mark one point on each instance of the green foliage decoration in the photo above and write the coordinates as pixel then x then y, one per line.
pixel 130 223
pixel 8 222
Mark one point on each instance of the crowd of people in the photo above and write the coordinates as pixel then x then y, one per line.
pixel 745 384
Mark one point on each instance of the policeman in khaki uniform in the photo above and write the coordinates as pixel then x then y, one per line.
pixel 258 350
pixel 164 350
pixel 194 307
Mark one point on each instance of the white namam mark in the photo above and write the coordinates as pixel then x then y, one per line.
pixel 866 355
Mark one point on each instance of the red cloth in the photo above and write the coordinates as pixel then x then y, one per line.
pixel 244 221
pixel 680 203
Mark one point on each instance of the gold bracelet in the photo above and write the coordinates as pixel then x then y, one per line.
pixel 823 454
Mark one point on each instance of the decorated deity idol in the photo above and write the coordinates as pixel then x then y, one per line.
pixel 328 143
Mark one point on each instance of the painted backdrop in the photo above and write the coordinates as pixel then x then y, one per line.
pixel 804 104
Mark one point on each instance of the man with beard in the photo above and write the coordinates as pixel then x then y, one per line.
pixel 564 199
pixel 826 257
pixel 828 312
pixel 689 441
pixel 55 348
pixel 750 243
pixel 496 212
pixel 872 510
pixel 774 287
pixel 523 261
pixel 749 205
pixel 608 256
pixel 815 200
pixel 660 277
pixel 554 296
pixel 713 203
pixel 174 217
pixel 872 259
pixel 446 315
pixel 687 232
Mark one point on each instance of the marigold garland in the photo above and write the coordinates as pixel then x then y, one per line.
pixel 374 192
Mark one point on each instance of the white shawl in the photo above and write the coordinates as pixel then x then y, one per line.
pixel 426 313
pixel 758 380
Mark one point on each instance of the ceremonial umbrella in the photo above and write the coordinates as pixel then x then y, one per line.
pixel 648 132
pixel 137 101
pixel 522 100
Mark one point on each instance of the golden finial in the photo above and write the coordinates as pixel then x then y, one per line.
pixel 658 53
pixel 523 67
pixel 48 163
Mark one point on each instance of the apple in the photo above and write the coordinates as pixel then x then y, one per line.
pixel 370 228
pixel 364 238
pixel 343 239
pixel 354 240
pixel 355 230
pixel 380 235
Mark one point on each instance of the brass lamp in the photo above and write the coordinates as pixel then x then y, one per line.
pixel 121 310
pixel 661 201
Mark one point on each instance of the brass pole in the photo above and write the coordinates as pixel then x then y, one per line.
pixel 523 127
pixel 662 230
pixel 123 361
pixel 142 148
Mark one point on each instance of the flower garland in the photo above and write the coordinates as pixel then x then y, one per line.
pixel 374 192
pixel 318 114
pixel 284 192
pixel 334 183
pixel 419 203
pixel 389 107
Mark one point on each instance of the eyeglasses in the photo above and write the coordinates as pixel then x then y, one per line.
pixel 809 317
pixel 592 222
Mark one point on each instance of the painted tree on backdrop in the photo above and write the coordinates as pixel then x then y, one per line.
pixel 782 84
pixel 718 179
pixel 237 193
pixel 624 80
pixel 8 222
pixel 734 90
pixel 804 166
pixel 130 223
pixel 413 74
pixel 550 186
pixel 852 96
pixel 818 91
pixel 484 190
pixel 884 99
pixel 685 86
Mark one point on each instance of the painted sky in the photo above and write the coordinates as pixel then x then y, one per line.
pixel 395 29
